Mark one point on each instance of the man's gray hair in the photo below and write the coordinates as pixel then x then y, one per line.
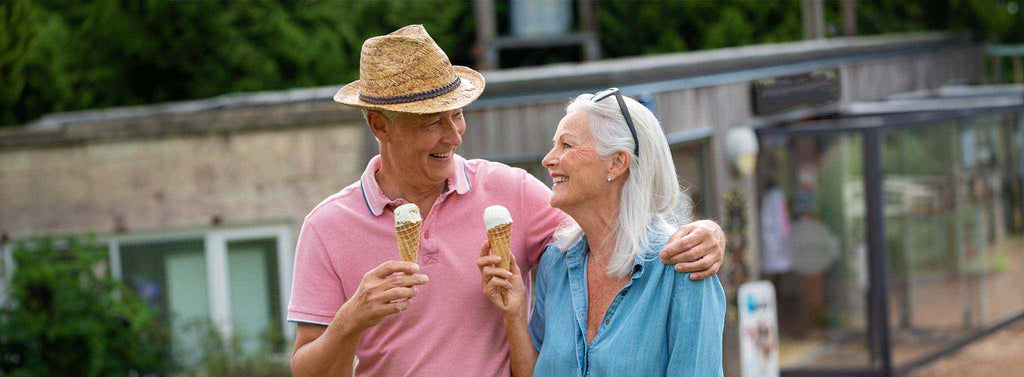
pixel 391 115
pixel 652 204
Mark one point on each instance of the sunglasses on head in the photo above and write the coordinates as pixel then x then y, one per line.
pixel 625 113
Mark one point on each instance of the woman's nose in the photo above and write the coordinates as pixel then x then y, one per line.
pixel 549 159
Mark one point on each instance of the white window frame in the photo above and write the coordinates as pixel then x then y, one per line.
pixel 215 245
pixel 7 254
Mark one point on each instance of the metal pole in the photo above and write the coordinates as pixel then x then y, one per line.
pixel 878 305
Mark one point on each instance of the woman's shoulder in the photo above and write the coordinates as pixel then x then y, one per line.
pixel 682 284
pixel 552 256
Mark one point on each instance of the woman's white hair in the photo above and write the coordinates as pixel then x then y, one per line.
pixel 652 203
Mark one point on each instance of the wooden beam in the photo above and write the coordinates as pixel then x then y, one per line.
pixel 813 16
pixel 486 32
pixel 848 8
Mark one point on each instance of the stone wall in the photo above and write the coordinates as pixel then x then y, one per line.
pixel 155 184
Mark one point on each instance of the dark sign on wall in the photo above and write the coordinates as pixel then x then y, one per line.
pixel 777 94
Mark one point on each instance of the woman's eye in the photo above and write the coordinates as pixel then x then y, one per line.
pixel 566 145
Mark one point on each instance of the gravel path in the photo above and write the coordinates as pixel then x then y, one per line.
pixel 1000 354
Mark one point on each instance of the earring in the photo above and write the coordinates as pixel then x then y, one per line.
pixel 609 179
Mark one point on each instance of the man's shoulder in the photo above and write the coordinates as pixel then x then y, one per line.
pixel 349 200
pixel 479 169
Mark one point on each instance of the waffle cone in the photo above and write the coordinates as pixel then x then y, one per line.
pixel 501 245
pixel 408 235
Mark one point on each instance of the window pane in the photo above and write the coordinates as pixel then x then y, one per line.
pixel 171 276
pixel 255 297
pixel 813 247
pixel 692 169
pixel 955 246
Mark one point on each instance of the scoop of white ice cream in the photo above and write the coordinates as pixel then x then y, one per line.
pixel 496 215
pixel 407 212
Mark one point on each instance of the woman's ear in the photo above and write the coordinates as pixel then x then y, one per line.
pixel 619 165
pixel 378 124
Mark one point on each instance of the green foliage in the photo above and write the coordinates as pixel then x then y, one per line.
pixel 66 317
pixel 62 55
pixel 227 357
pixel 647 27
pixel 987 20
pixel 59 56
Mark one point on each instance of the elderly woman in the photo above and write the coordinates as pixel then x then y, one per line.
pixel 605 305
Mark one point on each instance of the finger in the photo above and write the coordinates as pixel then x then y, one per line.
pixel 695 266
pixel 489 260
pixel 391 267
pixel 485 249
pixel 404 281
pixel 497 272
pixel 398 293
pixel 513 264
pixel 397 307
pixel 494 296
pixel 706 274
pixel 681 232
pixel 500 283
pixel 700 275
pixel 692 255
pixel 681 245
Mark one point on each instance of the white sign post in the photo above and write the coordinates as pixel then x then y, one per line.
pixel 759 330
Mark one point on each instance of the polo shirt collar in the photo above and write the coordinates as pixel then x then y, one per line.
pixel 375 199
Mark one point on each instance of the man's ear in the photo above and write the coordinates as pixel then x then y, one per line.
pixel 378 124
pixel 619 164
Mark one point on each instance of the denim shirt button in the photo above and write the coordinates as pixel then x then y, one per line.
pixel 607 321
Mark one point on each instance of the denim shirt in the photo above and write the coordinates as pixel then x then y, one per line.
pixel 660 324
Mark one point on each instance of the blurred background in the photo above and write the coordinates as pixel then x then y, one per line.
pixel 157 159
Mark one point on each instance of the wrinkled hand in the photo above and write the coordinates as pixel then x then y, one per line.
pixel 504 289
pixel 697 248
pixel 384 291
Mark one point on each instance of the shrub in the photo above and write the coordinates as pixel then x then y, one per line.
pixel 65 316
pixel 227 357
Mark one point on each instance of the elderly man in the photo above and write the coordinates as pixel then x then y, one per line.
pixel 352 297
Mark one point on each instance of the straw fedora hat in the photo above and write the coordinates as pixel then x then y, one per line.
pixel 407 72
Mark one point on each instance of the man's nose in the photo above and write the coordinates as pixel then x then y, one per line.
pixel 453 132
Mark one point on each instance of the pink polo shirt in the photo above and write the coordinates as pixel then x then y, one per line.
pixel 450 328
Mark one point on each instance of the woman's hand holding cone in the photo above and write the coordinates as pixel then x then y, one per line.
pixel 504 289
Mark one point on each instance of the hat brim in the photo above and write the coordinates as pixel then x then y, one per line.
pixel 468 91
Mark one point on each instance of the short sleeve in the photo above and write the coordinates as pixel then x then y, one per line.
pixel 317 292
pixel 543 219
pixel 536 324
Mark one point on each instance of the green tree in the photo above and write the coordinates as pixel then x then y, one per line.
pixel 66 317
pixel 57 55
